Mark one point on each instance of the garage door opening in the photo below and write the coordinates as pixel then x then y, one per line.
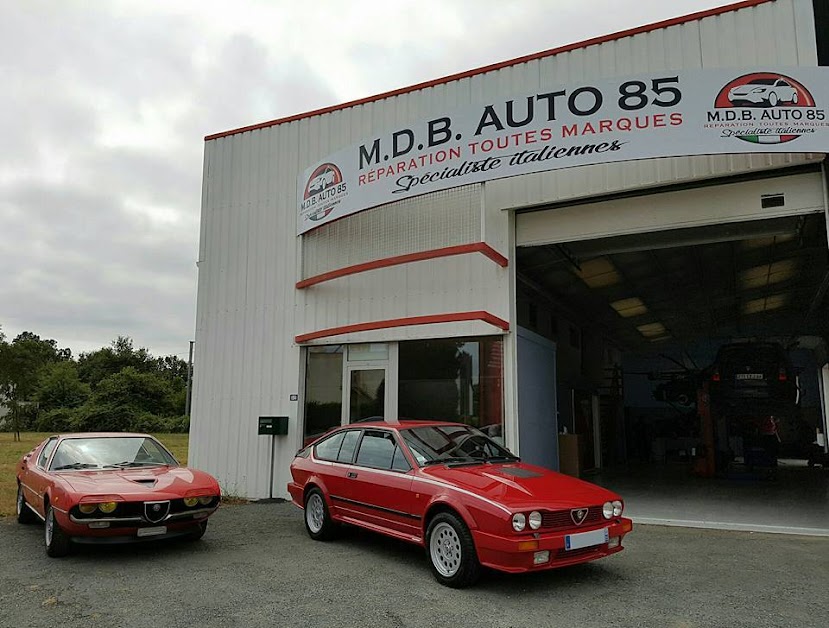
pixel 690 368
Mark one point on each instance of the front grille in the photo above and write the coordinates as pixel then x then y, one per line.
pixel 564 554
pixel 136 509
pixel 562 520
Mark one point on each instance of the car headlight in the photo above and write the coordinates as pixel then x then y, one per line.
pixel 206 499
pixel 758 90
pixel 535 520
pixel 519 522
pixel 107 507
pixel 607 510
pixel 87 509
pixel 618 507
pixel 191 501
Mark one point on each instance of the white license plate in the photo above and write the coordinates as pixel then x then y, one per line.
pixel 749 376
pixel 585 539
pixel 152 531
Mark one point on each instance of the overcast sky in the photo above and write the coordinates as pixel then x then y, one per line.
pixel 106 104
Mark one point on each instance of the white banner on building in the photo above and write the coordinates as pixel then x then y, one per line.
pixel 662 114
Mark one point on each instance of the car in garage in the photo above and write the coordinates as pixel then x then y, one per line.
pixel 110 488
pixel 456 492
pixel 748 375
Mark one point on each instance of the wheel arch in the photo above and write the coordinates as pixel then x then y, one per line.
pixel 443 505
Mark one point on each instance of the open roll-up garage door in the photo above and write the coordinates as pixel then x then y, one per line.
pixel 712 205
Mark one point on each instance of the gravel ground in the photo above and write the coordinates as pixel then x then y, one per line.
pixel 257 567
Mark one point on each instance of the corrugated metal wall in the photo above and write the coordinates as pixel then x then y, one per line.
pixel 249 310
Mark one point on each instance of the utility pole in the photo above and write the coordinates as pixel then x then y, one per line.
pixel 189 379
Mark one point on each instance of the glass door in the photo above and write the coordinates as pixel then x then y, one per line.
pixel 365 393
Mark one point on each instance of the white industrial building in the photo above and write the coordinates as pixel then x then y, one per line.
pixel 553 304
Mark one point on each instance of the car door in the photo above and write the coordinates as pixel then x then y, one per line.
pixel 379 485
pixel 35 479
pixel 333 457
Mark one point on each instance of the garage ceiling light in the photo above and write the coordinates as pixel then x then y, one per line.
pixel 766 304
pixel 767 275
pixel 626 308
pixel 598 273
pixel 653 330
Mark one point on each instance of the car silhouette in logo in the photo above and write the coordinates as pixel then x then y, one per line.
pixel 763 91
pixel 321 181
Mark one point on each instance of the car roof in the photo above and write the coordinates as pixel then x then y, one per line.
pixel 103 435
pixel 403 424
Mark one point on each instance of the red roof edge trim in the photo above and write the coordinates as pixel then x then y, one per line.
pixel 498 66
pixel 454 317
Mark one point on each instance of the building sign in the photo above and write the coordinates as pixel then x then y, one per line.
pixel 663 114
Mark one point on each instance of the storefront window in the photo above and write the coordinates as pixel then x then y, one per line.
pixel 453 380
pixel 323 389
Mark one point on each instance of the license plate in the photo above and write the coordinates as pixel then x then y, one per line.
pixel 585 539
pixel 749 376
pixel 152 531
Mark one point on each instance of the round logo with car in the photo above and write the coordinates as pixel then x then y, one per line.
pixel 765 108
pixel 324 189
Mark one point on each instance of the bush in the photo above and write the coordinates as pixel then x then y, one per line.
pixel 56 421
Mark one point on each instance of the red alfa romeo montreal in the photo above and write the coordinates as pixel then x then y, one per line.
pixel 455 491
pixel 111 488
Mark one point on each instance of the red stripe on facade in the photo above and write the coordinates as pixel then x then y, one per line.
pixel 499 66
pixel 477 247
pixel 454 317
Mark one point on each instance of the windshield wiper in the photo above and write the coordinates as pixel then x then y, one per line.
pixel 454 461
pixel 77 465
pixel 503 459
pixel 127 464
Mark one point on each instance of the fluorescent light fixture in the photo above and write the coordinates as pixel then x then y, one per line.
pixel 627 308
pixel 767 275
pixel 653 330
pixel 766 304
pixel 598 273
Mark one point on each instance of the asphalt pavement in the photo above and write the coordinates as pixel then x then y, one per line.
pixel 257 567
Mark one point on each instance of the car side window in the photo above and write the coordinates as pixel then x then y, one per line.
pixel 398 461
pixel 348 446
pixel 376 450
pixel 330 447
pixel 46 452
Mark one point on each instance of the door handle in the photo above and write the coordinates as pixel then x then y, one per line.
pixel 351 474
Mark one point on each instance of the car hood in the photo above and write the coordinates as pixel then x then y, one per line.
pixel 169 481
pixel 522 485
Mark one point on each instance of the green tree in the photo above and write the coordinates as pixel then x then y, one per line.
pixel 60 387
pixel 95 366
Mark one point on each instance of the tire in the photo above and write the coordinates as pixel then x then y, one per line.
pixel 451 551
pixel 318 521
pixel 198 533
pixel 794 98
pixel 24 513
pixel 57 543
pixel 773 99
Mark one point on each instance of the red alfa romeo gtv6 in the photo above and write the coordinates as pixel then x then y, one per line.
pixel 455 491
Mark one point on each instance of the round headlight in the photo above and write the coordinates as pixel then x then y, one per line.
pixel 607 510
pixel 206 499
pixel 519 522
pixel 618 507
pixel 87 509
pixel 191 501
pixel 535 520
pixel 107 507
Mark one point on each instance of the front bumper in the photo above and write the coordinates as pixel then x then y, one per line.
pixel 126 530
pixel 755 98
pixel 503 552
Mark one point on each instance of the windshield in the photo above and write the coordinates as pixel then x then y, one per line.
pixel 765 81
pixel 453 444
pixel 110 453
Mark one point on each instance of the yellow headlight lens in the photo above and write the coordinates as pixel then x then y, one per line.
pixel 107 507
pixel 205 500
pixel 191 501
pixel 87 509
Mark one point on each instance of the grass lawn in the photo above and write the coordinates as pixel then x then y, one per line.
pixel 11 452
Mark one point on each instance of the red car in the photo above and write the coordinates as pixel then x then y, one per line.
pixel 109 488
pixel 453 490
